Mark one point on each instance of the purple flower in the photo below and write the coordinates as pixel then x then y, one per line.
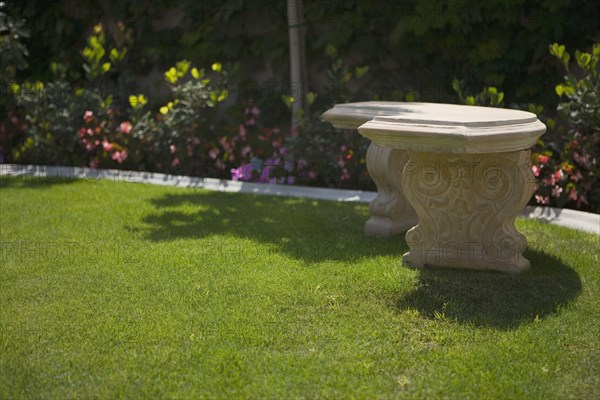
pixel 243 173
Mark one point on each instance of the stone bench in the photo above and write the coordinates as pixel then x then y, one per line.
pixel 462 170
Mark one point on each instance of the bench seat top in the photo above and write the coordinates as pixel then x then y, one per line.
pixel 445 128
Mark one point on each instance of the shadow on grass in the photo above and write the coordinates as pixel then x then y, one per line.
pixel 494 299
pixel 305 229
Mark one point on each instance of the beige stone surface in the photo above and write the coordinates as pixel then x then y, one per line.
pixel 467 177
pixel 467 205
pixel 391 213
pixel 449 128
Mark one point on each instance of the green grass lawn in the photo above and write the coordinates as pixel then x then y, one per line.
pixel 125 290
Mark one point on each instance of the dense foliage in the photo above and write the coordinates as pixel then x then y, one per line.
pixel 103 99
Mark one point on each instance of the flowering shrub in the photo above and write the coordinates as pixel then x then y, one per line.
pixel 568 162
pixel 331 157
pixel 316 154
pixel 63 118
pixel 260 152
pixel 103 138
pixel 184 136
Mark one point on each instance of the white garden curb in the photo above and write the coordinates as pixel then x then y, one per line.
pixel 579 220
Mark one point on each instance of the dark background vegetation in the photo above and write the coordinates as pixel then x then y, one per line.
pixel 357 50
pixel 410 46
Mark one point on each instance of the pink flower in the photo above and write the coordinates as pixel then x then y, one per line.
pixel 107 146
pixel 125 127
pixel 81 133
pixel 573 195
pixel 246 150
pixel 543 159
pixel 88 116
pixel 555 177
pixel 536 170
pixel 175 162
pixel 94 163
pixel 576 177
pixel 255 111
pixel 542 199
pixel 345 175
pixel 213 153
pixel 173 148
pixel 119 156
pixel 556 191
pixel 242 131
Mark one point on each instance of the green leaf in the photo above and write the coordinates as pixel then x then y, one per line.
pixel 217 67
pixel 142 99
pixel 182 68
pixel 288 100
pixel 456 85
pixel 330 51
pixel 106 67
pixel 310 98
pixel 195 73
pixel 171 75
pixel 559 89
pixel 133 100
pixel 223 95
pixel 584 60
pixel 114 54
pixel 557 50
pixel 164 110
pixel 359 72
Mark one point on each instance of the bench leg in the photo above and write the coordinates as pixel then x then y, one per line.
pixel 391 213
pixel 467 205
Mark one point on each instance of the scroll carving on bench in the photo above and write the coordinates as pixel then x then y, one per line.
pixel 467 177
pixel 454 176
pixel 467 205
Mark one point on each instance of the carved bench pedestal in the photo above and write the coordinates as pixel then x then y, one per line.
pixel 467 205
pixel 467 176
pixel 391 213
